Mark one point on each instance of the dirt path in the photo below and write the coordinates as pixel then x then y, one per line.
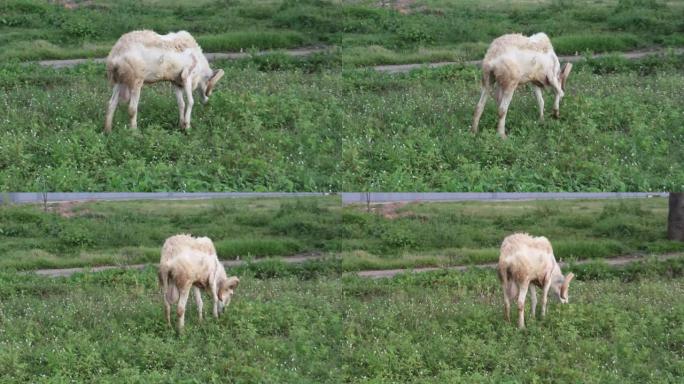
pixel 66 272
pixel 374 274
pixel 298 52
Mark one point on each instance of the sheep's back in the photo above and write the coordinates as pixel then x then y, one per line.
pixel 175 245
pixel 502 45
pixel 174 41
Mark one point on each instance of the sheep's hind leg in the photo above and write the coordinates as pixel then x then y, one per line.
pixel 111 108
pixel 180 310
pixel 478 110
pixel 509 293
pixel 505 101
pixel 167 311
pixel 522 292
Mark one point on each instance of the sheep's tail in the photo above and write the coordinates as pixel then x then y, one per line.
pixel 114 78
pixel 488 78
pixel 112 67
pixel 169 290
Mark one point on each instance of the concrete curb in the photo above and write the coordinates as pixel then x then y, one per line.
pixel 389 197
pixel 347 197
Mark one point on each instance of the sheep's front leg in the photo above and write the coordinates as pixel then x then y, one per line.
pixel 478 110
pixel 559 95
pixel 545 296
pixel 111 108
pixel 540 100
pixel 191 101
pixel 505 101
pixel 133 105
pixel 522 288
pixel 533 300
pixel 198 301
pixel 214 293
pixel 180 310
pixel 181 106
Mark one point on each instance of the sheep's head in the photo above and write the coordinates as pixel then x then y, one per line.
pixel 561 285
pixel 226 288
pixel 208 82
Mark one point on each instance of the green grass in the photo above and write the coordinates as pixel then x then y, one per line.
pixel 36 29
pixel 424 234
pixel 431 327
pixel 282 124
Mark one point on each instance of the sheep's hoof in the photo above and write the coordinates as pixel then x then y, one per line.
pixel 556 114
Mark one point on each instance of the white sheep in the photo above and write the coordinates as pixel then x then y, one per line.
pixel 141 57
pixel 188 262
pixel 513 60
pixel 523 260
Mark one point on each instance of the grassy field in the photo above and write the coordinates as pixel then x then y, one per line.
pixel 264 132
pixel 350 238
pixel 413 134
pixel 282 124
pixel 366 30
pixel 427 328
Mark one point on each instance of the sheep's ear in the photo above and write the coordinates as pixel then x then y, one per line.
pixel 566 284
pixel 218 74
pixel 565 73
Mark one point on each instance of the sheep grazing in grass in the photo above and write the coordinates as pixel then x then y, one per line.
pixel 188 262
pixel 523 260
pixel 141 57
pixel 513 60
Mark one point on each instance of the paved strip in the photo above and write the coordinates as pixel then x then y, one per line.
pixel 51 197
pixel 633 55
pixel 392 197
pixel 615 262
pixel 66 272
pixel 299 52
